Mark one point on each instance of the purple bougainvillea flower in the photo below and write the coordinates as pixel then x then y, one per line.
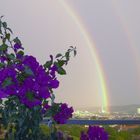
pixel 7 72
pixel 19 56
pixel 29 100
pixel 19 67
pixel 43 111
pixel 18 46
pixel 94 133
pixel 53 70
pixel 31 103
pixel 46 106
pixel 28 97
pixel 12 73
pixel 29 83
pixel 84 136
pixel 31 62
pixel 36 86
pixel 42 77
pixel 3 75
pixel 11 89
pixel 3 94
pixel 3 59
pixel 97 132
pixel 44 92
pixel 64 114
pixel 54 83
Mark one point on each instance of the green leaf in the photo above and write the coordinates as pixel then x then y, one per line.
pixel 45 102
pixel 11 56
pixel 3 40
pixel 0 27
pixel 58 55
pixel 0 103
pixel 16 40
pixel 52 97
pixel 4 24
pixel 9 30
pixel 47 64
pixel 75 52
pixel 61 71
pixel 8 36
pixel 7 82
pixel 53 110
pixel 67 55
pixel 3 47
pixel 2 65
pixel 28 71
pixel 60 63
pixel 21 53
pixel 71 47
pixel 21 77
pixel 1 17
pixel 30 96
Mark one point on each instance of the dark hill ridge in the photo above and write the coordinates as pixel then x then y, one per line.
pixel 125 108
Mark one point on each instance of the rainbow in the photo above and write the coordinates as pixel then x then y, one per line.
pixel 102 88
pixel 132 45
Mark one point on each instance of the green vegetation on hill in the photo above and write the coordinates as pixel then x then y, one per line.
pixel 114 134
pixel 75 130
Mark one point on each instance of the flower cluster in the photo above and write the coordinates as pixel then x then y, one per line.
pixel 94 133
pixel 28 80
pixel 64 113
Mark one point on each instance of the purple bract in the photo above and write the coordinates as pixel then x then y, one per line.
pixel 94 133
pixel 64 114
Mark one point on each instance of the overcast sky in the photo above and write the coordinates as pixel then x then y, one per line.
pixel 45 27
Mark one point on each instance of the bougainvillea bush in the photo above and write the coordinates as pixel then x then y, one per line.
pixel 27 93
pixel 27 89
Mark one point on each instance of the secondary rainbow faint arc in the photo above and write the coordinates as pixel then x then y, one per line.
pixel 132 45
pixel 102 87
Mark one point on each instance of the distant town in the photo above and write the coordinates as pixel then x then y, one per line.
pixel 128 112
pixel 116 112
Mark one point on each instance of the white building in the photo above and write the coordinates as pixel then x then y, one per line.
pixel 138 110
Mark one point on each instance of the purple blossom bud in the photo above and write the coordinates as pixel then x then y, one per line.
pixel 17 47
pixel 3 58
